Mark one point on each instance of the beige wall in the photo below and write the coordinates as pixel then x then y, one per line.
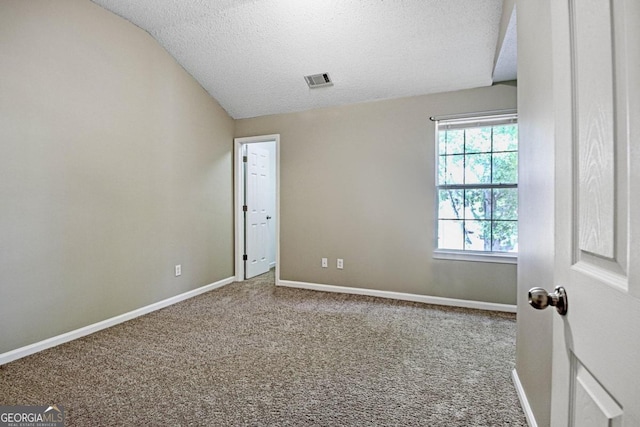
pixel 536 263
pixel 357 182
pixel 115 165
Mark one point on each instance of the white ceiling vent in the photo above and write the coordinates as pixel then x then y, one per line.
pixel 318 80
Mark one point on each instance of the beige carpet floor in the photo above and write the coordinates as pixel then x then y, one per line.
pixel 251 354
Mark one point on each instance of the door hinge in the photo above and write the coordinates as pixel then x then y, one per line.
pixel 245 208
pixel 244 159
pixel 244 257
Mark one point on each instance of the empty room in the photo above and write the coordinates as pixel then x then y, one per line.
pixel 290 213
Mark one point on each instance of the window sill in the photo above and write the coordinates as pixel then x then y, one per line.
pixel 495 257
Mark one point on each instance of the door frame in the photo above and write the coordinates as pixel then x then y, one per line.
pixel 238 198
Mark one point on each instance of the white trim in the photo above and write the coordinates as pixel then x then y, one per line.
pixel 495 257
pixel 482 114
pixel 237 200
pixel 90 329
pixel 524 402
pixel 480 305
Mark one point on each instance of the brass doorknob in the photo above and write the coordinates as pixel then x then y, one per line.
pixel 540 299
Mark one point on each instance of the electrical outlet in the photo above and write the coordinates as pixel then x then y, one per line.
pixel 178 270
pixel 325 263
pixel 340 263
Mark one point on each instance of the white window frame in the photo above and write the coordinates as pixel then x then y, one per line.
pixel 462 121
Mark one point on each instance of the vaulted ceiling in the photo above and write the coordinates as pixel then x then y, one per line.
pixel 252 55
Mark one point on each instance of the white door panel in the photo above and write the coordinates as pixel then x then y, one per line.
pixel 596 369
pixel 257 230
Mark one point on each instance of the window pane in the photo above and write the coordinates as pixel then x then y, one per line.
pixel 478 169
pixel 442 142
pixel 477 235
pixel 505 203
pixel 455 141
pixel 505 168
pixel 451 169
pixel 442 170
pixel 478 140
pixel 478 204
pixel 451 204
pixel 450 234
pixel 505 138
pixel 505 236
pixel 482 155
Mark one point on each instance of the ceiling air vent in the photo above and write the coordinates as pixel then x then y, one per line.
pixel 318 80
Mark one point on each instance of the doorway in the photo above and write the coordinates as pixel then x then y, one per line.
pixel 256 205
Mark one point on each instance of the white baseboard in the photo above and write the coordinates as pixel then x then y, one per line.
pixel 90 329
pixel 401 296
pixel 526 408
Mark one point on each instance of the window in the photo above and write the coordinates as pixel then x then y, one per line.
pixel 477 185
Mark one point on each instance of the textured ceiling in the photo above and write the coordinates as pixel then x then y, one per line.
pixel 251 55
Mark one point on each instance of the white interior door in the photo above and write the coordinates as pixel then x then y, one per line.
pixel 257 217
pixel 596 346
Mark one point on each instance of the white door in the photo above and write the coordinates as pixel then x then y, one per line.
pixel 596 346
pixel 257 217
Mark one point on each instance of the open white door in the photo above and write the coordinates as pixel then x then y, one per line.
pixel 596 349
pixel 257 216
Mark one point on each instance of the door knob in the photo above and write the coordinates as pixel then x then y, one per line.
pixel 540 299
pixel 268 217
